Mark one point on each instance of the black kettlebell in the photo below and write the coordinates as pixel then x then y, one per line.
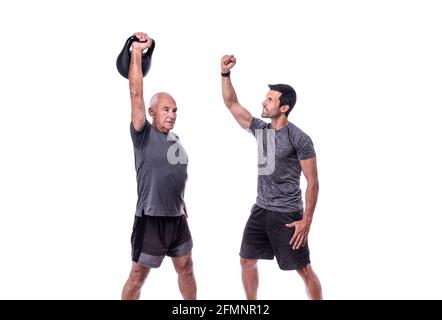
pixel 123 60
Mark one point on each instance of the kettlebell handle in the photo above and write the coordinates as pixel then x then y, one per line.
pixel 123 59
pixel 133 39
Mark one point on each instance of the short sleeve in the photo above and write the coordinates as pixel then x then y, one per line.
pixel 257 124
pixel 303 145
pixel 139 138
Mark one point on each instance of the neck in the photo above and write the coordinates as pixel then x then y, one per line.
pixel 160 129
pixel 280 122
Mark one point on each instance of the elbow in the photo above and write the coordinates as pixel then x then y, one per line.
pixel 317 186
pixel 316 183
pixel 313 184
pixel 228 103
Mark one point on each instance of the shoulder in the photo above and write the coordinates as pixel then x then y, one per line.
pixel 298 137
pixel 258 124
pixel 140 137
pixel 172 137
pixel 296 132
pixel 145 127
pixel 301 142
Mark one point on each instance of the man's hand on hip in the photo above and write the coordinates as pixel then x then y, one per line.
pixel 300 236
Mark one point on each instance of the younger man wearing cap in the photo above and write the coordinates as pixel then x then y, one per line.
pixel 284 151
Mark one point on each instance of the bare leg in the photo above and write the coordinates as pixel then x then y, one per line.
pixel 132 288
pixel 186 279
pixel 250 277
pixel 311 281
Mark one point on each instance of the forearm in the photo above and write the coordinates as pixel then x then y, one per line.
pixel 311 197
pixel 229 94
pixel 135 74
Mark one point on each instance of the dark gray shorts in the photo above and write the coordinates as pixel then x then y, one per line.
pixel 266 236
pixel 155 237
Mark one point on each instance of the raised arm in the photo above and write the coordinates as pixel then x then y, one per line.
pixel 241 114
pixel 136 80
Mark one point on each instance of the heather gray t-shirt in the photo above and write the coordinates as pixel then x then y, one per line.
pixel 279 169
pixel 161 166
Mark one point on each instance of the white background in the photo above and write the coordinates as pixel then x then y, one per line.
pixel 368 76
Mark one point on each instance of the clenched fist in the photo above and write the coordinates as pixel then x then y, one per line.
pixel 145 41
pixel 227 63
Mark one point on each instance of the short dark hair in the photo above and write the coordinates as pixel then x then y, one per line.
pixel 288 95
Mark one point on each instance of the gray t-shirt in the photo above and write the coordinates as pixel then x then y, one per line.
pixel 161 166
pixel 279 153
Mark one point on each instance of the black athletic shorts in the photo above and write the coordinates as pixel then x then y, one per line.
pixel 266 236
pixel 155 237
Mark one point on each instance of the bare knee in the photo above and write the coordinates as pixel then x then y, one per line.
pixel 306 272
pixel 137 276
pixel 248 264
pixel 185 269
